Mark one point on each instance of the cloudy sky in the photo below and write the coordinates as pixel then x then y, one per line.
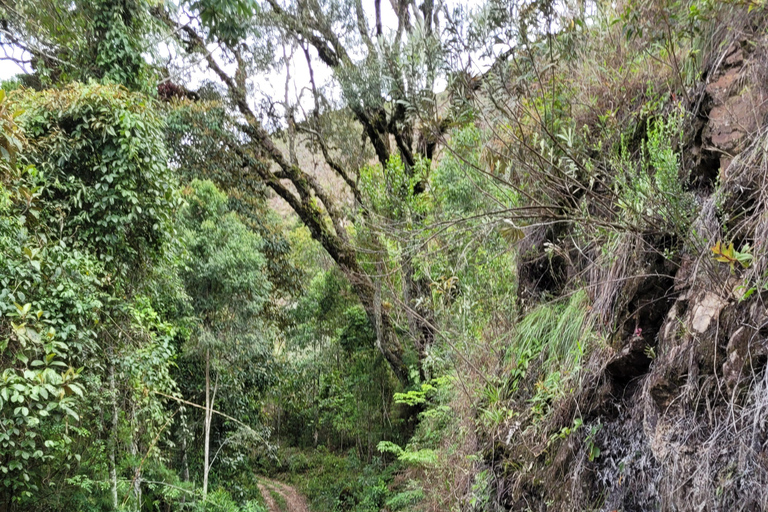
pixel 271 87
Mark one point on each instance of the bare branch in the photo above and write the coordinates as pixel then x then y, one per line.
pixel 362 26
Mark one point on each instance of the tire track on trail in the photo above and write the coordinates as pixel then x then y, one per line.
pixel 292 501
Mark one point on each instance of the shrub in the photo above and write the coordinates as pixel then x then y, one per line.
pixel 100 149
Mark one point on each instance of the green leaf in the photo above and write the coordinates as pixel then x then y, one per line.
pixel 71 412
pixel 76 389
pixel 744 258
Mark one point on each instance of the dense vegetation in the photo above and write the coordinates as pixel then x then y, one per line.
pixel 421 257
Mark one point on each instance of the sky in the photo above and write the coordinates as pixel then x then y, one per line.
pixel 271 86
pixel 8 68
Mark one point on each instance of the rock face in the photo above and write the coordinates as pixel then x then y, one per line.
pixel 737 101
pixel 680 410
pixel 701 406
pixel 700 399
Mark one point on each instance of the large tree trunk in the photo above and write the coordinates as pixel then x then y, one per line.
pixel 369 294
pixel 420 318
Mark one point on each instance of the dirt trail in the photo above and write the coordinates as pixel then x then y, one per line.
pixel 294 502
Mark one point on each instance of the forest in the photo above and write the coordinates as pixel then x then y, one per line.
pixel 366 256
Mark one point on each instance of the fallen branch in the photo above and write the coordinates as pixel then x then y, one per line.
pixel 227 416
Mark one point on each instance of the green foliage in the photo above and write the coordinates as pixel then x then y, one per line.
pixel 652 191
pixel 547 349
pixel 221 501
pixel 195 131
pixel 99 149
pixel 78 336
pixel 227 20
pixel 336 483
pixel 675 29
pixel 86 40
pixel 44 327
pixel 405 500
pixel 559 330
pixel 454 179
pixel 390 190
pixel 567 431
pixel 333 386
pixel 458 186
pixel 118 28
pixel 224 275
pixel 10 142
pixel 68 251
pixel 419 396
pixel 114 291
pixel 480 495
pixel 423 456
pixel 593 451
pixel 195 134
pixel 727 254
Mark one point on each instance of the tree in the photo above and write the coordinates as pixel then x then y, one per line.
pixel 86 216
pixel 388 91
pixel 41 333
pixel 198 133
pixel 334 389
pixel 81 40
pixel 225 277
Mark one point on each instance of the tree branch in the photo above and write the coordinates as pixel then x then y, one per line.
pixel 362 26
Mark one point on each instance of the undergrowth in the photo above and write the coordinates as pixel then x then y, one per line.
pixel 336 483
pixel 546 352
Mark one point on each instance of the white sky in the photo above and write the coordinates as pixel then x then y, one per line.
pixel 270 88
pixel 9 68
pixel 272 85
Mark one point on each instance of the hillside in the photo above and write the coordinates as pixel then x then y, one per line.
pixel 539 289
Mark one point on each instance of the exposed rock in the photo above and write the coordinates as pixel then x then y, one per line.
pixel 738 350
pixel 705 311
pixel 662 389
pixel 738 107
pixel 689 434
pixel 736 58
pixel 720 87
